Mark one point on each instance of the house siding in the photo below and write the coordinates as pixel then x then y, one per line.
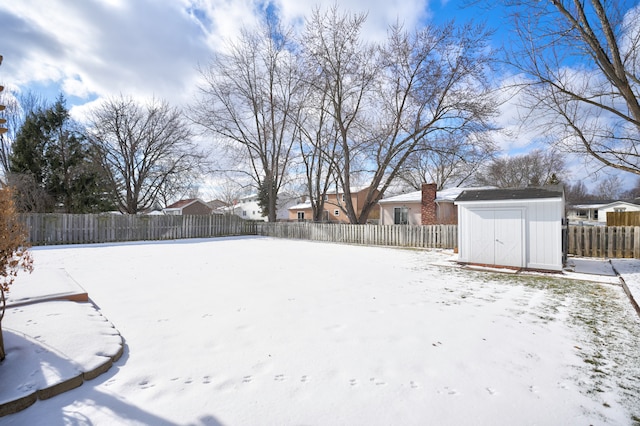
pixel 196 209
pixel 387 211
pixel 334 202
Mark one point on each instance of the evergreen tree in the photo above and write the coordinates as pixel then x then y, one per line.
pixel 52 160
pixel 264 196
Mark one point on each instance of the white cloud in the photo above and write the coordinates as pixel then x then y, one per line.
pixel 96 48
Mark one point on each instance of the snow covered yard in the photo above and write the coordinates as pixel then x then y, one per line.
pixel 259 331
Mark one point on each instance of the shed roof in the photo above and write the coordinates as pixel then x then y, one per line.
pixel 510 194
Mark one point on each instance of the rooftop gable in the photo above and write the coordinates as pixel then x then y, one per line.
pixel 178 205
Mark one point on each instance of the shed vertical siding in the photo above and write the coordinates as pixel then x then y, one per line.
pixel 545 234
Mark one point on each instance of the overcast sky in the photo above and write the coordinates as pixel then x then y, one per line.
pixel 90 49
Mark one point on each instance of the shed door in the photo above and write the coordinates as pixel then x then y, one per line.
pixel 496 237
pixel 508 237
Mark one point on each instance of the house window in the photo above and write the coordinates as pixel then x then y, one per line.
pixel 619 209
pixel 401 216
pixel 300 216
pixel 336 212
pixel 342 197
pixel 244 212
pixel 326 197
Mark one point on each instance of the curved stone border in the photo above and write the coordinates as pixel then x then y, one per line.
pixel 24 402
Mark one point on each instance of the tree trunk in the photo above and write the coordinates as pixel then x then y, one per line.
pixel 2 306
pixel 2 353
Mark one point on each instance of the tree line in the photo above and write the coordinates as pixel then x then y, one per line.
pixel 128 157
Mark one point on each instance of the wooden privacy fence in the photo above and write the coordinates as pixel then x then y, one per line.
pixel 623 218
pixel 604 241
pixel 47 228
pixel 426 236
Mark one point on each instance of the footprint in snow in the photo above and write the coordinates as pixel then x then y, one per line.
pixel 492 391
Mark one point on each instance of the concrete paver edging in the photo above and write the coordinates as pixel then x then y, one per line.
pixel 19 402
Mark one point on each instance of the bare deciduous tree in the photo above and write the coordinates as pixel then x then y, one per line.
pixel 142 148
pixel 249 102
pixel 344 69
pixel 389 101
pixel 609 188
pixel 318 145
pixel 577 193
pixel 536 168
pixel 229 192
pixel 450 162
pixel 581 64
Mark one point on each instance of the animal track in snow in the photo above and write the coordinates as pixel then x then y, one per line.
pixel 449 391
pixel 247 379
pixel 279 378
pixel 377 382
pixel 144 384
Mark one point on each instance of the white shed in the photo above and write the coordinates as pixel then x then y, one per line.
pixel 519 228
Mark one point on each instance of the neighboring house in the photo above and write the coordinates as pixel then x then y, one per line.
pixel 248 208
pixel 597 212
pixel 333 203
pixel 285 202
pixel 424 207
pixel 519 228
pixel 217 206
pixel 192 206
pixel 585 212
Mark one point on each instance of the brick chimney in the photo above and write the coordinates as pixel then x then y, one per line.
pixel 428 211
